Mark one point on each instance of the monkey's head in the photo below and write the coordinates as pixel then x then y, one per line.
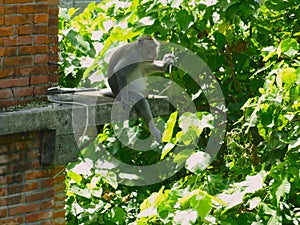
pixel 148 48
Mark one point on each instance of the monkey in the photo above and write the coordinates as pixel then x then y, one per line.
pixel 133 61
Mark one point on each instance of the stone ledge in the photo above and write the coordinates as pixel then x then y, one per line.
pixel 62 123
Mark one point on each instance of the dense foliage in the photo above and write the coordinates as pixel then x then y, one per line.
pixel 253 50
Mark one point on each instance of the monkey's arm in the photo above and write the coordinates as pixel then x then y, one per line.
pixel 160 66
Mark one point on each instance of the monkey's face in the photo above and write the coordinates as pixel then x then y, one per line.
pixel 148 49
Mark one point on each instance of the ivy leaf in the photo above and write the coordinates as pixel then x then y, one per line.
pixel 185 217
pixel 220 40
pixel 198 162
pixel 283 188
pixel 167 135
pixel 287 76
pixel 289 47
pixel 116 215
pixel 74 176
pixel 184 19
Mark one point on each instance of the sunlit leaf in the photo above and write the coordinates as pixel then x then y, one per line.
pixel 167 135
pixel 167 148
pixel 289 47
pixel 286 76
pixel 74 176
pixel 185 217
pixel 198 162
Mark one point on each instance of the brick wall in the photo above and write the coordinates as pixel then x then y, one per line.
pixel 29 193
pixel 28 41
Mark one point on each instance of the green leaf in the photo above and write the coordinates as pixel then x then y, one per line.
pixel 167 135
pixel 72 11
pixel 286 76
pixel 283 188
pixel 182 156
pixel 198 162
pixel 74 176
pixel 220 40
pixel 184 19
pixel 202 204
pixel 84 192
pixel 167 148
pixel 116 215
pixel 176 3
pixel 289 47
pixel 185 217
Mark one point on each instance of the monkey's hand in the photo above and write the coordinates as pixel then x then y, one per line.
pixel 169 59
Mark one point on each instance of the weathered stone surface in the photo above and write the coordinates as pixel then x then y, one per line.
pixel 67 121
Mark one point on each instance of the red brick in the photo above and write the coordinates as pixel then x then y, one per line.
pixel 41 39
pixel 10 9
pixel 40 90
pixel 30 175
pixel 3 170
pixel 53 2
pixel 32 70
pixel 5 94
pixel 53 21
pixel 53 10
pixel 6 31
pixel 15 199
pixel 60 178
pixel 31 197
pixel 3 212
pixel 47 183
pixel 1 9
pixel 47 204
pixel 12 221
pixel 18 61
pixel 53 78
pixel 15 178
pixel 27 50
pixel 21 209
pixel 52 30
pixel 3 148
pixel 17 1
pixel 33 154
pixel 4 159
pixel 9 103
pixel 16 156
pixel 59 213
pixel 19 188
pixel 39 216
pixel 3 192
pixel 33 29
pixel 1 20
pixel 49 222
pixel 8 72
pixel 39 80
pixel 18 82
pixel 39 59
pixel 21 92
pixel 41 18
pixel 14 19
pixel 21 40
pixel 3 201
pixel 8 51
pixel 34 8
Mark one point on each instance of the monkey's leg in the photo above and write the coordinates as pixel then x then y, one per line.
pixel 143 110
